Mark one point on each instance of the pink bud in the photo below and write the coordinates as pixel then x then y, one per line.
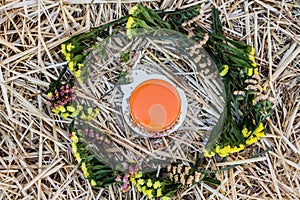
pixel 118 178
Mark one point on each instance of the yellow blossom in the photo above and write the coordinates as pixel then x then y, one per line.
pixel 83 116
pixel 165 198
pixel 140 181
pixel 55 111
pixel 79 65
pixel 90 110
pixel 138 175
pixel 93 182
pixel 71 65
pixel 129 23
pixel 208 154
pixel 132 10
pixel 74 147
pixel 84 170
pixel 50 94
pixel 245 132
pixel 65 115
pixel 144 188
pixel 224 71
pixel 149 183
pixel 77 156
pixel 251 140
pixel 133 180
pixel 77 73
pixel 252 52
pixel 70 46
pixel 251 57
pixel 70 108
pixel 139 188
pixel 254 64
pixel 158 192
pixel 249 71
pixel 68 56
pixel 259 128
pixel 63 49
pixel 74 138
pixel 156 185
pixel 149 193
pixel 62 109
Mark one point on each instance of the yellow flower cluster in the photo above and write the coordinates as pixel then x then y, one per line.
pixel 74 64
pixel 67 111
pixel 148 187
pixel 66 50
pixel 251 57
pixel 93 182
pixel 257 134
pixel 84 170
pixel 226 150
pixel 74 140
pixel 91 113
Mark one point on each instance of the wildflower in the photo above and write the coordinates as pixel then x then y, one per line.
pixel 156 185
pixel 252 52
pixel 74 138
pixel 70 108
pixel 77 73
pixel 224 71
pixel 140 182
pixel 132 10
pixel 149 193
pixel 68 56
pixel 159 192
pixel 118 178
pixel 93 182
pixel 71 65
pixel 62 109
pixel 245 132
pixel 251 57
pixel 74 147
pixel 84 170
pixel 256 70
pixel 165 198
pixel 130 23
pixel 149 183
pixel 50 94
pixel 63 49
pixel 251 140
pixel 65 115
pixel 70 46
pixel 79 65
pixel 208 154
pixel 249 71
pixel 77 156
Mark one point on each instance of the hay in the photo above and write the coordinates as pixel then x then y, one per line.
pixel 35 157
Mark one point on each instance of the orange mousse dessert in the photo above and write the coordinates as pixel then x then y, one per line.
pixel 155 105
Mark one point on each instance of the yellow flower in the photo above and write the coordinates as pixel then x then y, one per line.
pixel 165 198
pixel 254 64
pixel 132 10
pixel 251 57
pixel 77 73
pixel 70 46
pixel 74 147
pixel 79 65
pixel 139 188
pixel 50 94
pixel 55 111
pixel 138 175
pixel 158 192
pixel 129 33
pixel 249 71
pixel 129 23
pixel 149 183
pixel 62 109
pixel 208 154
pixel 252 52
pixel 68 56
pixel 224 71
pixel 71 65
pixel 251 140
pixel 140 181
pixel 83 116
pixel 65 115
pixel 260 128
pixel 245 132
pixel 133 180
pixel 70 108
pixel 149 193
pixel 93 182
pixel 77 156
pixel 74 138
pixel 90 110
pixel 84 170
pixel 156 185
pixel 144 188
pixel 63 49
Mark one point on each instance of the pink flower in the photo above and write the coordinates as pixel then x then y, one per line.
pixel 125 187
pixel 118 178
pixel 125 178
pixel 125 165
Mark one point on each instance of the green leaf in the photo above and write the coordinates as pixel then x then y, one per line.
pixel 212 181
pixel 217 25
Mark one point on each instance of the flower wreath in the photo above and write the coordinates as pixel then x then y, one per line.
pixel 242 123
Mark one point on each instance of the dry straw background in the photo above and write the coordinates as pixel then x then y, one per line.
pixel 35 155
